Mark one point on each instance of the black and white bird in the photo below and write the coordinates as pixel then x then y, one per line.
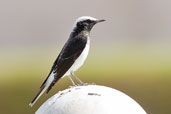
pixel 72 56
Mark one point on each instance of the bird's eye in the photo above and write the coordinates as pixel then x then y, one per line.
pixel 88 21
pixel 85 24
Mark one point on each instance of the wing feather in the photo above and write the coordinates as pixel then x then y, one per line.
pixel 70 52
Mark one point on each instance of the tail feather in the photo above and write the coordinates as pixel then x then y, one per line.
pixel 56 78
pixel 41 91
pixel 43 88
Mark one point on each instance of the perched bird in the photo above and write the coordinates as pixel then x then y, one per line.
pixel 72 55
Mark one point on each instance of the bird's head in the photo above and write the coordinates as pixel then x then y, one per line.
pixel 85 23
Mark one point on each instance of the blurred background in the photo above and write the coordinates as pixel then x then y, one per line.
pixel 130 52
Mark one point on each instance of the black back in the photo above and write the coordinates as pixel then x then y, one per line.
pixel 70 52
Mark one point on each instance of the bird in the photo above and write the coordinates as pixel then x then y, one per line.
pixel 72 55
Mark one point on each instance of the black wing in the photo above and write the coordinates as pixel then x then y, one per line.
pixel 70 52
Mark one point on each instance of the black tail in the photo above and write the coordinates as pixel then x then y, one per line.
pixel 41 91
pixel 56 78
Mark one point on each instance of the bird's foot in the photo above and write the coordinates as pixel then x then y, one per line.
pixel 85 84
pixel 82 84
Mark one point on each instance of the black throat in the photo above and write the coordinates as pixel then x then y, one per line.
pixel 80 32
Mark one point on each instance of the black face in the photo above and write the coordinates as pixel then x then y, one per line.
pixel 86 24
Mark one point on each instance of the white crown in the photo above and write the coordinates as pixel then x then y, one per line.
pixel 83 18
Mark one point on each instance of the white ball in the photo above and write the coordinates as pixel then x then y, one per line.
pixel 90 99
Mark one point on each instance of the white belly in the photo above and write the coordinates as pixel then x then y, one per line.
pixel 80 60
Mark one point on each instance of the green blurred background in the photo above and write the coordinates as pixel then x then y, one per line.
pixel 130 52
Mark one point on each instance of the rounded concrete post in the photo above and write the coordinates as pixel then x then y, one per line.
pixel 90 99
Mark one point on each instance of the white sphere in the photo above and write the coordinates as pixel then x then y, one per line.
pixel 90 99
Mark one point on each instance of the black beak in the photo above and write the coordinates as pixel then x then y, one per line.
pixel 100 20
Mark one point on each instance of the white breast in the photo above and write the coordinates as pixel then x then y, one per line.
pixel 80 60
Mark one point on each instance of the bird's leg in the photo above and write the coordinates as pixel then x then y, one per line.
pixel 71 80
pixel 76 78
